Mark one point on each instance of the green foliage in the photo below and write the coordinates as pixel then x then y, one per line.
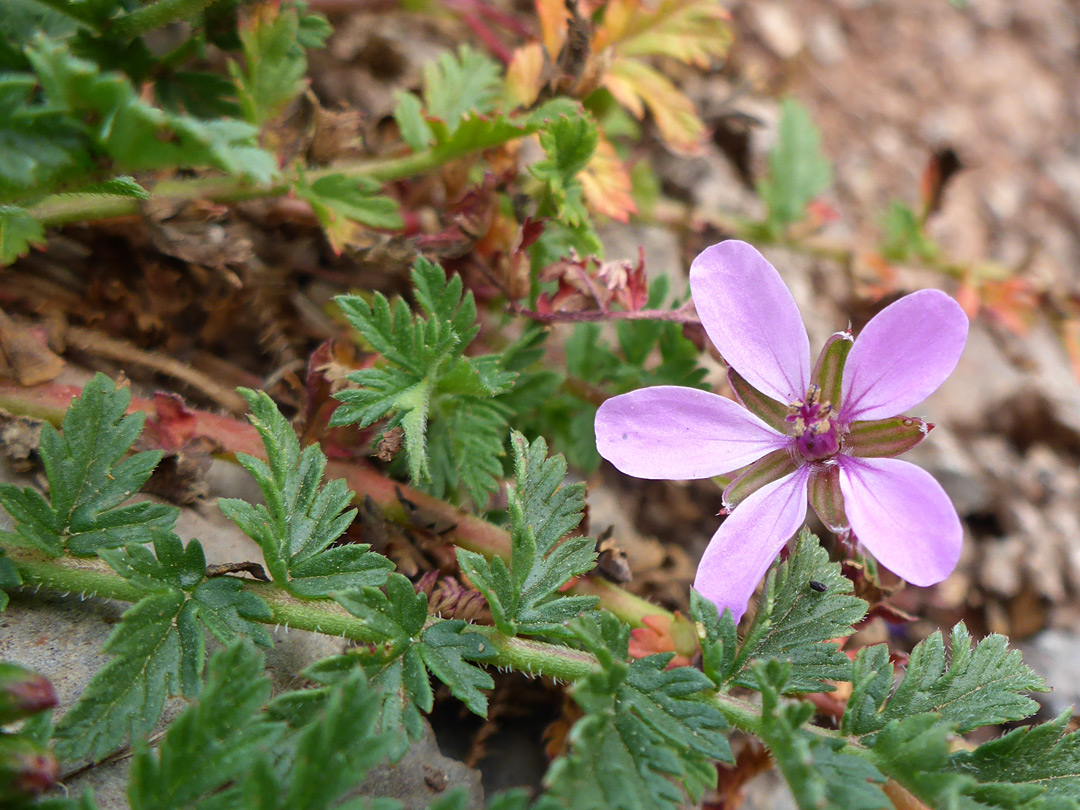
pixel 89 480
pixel 159 647
pixel 302 517
pixel 904 238
pixel 407 647
pixel 818 770
pixel 569 144
pixel 798 170
pixel 19 231
pixel 983 686
pixel 524 597
pixel 648 733
pixel 274 62
pixel 424 383
pixel 339 201
pixel 213 741
pixel 456 85
pixel 1034 768
pixel 792 624
pixel 83 118
pixel 9 578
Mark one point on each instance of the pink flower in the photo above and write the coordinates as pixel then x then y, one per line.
pixel 827 433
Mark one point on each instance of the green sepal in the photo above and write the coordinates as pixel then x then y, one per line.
pixel 828 372
pixel 826 498
pixel 885 438
pixel 768 468
pixel 768 410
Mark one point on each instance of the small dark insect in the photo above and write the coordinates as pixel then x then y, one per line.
pixel 818 586
pixel 611 560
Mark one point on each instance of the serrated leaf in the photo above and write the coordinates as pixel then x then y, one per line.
pixel 1030 768
pixel 443 401
pixel 213 741
pixel 569 145
pixel 342 203
pixel 457 84
pixel 89 480
pixel 798 170
pixel 19 231
pixel 794 621
pixel 409 647
pixel 818 769
pixel 158 646
pixel 9 578
pixel 646 730
pixel 302 516
pixel 414 129
pixel 524 597
pixel 637 86
pixel 981 686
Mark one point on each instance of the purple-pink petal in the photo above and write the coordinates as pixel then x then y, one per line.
pixel 902 356
pixel 748 541
pixel 671 432
pixel 902 516
pixel 752 319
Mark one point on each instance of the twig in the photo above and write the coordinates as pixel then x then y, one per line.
pixel 98 345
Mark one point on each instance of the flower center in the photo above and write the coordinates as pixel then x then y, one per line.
pixel 817 435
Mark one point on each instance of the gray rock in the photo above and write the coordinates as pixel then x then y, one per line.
pixel 1055 654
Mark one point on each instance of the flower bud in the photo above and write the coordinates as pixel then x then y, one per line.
pixel 23 693
pixel 26 768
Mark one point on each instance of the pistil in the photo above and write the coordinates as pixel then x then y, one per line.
pixel 817 436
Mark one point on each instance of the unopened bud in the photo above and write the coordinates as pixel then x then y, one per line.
pixel 23 693
pixel 26 768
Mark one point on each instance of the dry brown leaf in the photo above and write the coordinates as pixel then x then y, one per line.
pixel 26 353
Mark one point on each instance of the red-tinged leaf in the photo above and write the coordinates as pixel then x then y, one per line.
pixel 1012 302
pixel 657 636
pixel 940 169
pixel 525 75
pixel 691 31
pixel 173 424
pixel 885 438
pixel 607 185
pixel 636 86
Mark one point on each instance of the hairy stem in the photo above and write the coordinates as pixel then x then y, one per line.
pixel 398 502
pixel 66 208
pixel 156 15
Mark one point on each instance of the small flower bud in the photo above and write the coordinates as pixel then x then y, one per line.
pixel 26 768
pixel 23 693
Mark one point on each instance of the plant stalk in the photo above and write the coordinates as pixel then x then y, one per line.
pixel 398 502
pixel 156 15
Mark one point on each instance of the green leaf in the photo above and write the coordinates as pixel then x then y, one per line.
pixel 19 231
pixel 302 517
pixel 89 480
pixel 981 686
pixel 818 770
pixel 468 82
pixel 274 63
pixel 646 730
pixel 798 170
pixel 213 741
pixel 409 647
pixel 794 621
pixel 443 400
pixel 159 649
pixel 9 578
pixel 1030 768
pixel 410 120
pixel 904 238
pixel 568 144
pixel 340 201
pixel 524 598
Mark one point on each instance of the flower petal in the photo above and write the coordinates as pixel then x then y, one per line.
pixel 748 541
pixel 903 355
pixel 752 319
pixel 902 516
pixel 672 432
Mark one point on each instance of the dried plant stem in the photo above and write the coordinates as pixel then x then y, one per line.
pixel 50 402
pixel 683 315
